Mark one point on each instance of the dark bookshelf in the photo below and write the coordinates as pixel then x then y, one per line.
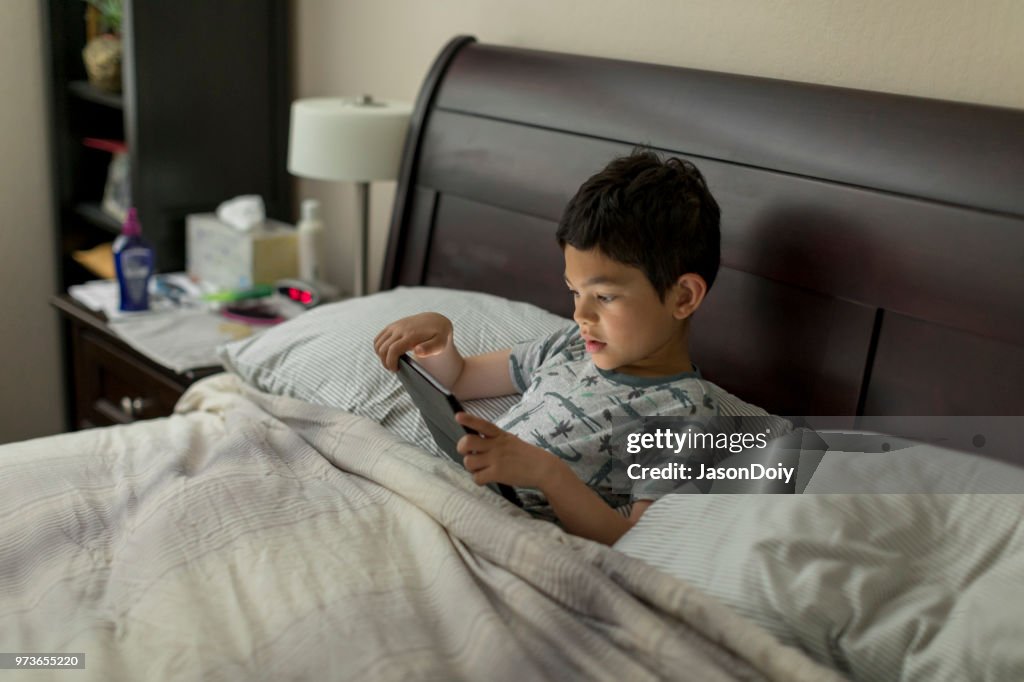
pixel 203 109
pixel 84 90
pixel 93 213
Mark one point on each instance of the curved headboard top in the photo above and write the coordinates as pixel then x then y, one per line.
pixel 872 244
pixel 962 154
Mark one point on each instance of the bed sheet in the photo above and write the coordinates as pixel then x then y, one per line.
pixel 261 537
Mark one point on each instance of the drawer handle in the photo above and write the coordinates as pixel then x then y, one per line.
pixel 133 407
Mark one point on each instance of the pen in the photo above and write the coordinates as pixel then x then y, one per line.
pixel 171 290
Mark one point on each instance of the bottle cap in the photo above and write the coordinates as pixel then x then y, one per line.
pixel 131 226
pixel 310 209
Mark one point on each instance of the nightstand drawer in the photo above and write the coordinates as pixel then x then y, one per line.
pixel 114 387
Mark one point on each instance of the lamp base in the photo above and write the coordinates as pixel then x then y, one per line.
pixel 362 278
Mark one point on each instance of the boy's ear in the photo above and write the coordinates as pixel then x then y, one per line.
pixel 688 292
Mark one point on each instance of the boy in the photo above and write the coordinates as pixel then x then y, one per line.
pixel 641 247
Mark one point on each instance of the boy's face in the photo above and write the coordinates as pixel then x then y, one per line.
pixel 626 327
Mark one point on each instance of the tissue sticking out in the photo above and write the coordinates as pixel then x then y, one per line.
pixel 243 213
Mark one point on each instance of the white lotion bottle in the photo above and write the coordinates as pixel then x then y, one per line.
pixel 311 248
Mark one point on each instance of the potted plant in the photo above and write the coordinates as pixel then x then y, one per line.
pixel 102 53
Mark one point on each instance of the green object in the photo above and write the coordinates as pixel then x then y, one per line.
pixel 258 291
pixel 111 13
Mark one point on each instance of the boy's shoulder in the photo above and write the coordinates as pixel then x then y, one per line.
pixel 561 345
pixel 683 394
pixel 560 340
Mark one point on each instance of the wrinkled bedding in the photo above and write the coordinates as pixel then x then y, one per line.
pixel 878 570
pixel 259 537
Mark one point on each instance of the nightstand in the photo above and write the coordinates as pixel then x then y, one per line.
pixel 109 382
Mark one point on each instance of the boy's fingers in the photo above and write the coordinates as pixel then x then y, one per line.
pixel 471 444
pixel 474 463
pixel 483 472
pixel 382 344
pixel 396 350
pixel 386 337
pixel 484 476
pixel 481 426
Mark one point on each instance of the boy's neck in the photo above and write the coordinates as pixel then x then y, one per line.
pixel 672 359
pixel 658 371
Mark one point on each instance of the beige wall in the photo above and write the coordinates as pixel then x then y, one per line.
pixel 31 401
pixel 950 49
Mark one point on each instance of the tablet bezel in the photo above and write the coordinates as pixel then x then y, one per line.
pixel 412 374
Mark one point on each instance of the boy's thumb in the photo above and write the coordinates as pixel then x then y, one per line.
pixel 431 346
pixel 423 349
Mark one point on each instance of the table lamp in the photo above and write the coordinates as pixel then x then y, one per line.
pixel 355 139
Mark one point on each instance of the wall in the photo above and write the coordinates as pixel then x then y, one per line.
pixel 31 402
pixel 948 49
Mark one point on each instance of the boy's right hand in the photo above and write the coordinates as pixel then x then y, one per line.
pixel 424 334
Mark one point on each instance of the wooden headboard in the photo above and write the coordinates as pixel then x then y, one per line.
pixel 872 244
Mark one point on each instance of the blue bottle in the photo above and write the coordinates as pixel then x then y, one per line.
pixel 133 259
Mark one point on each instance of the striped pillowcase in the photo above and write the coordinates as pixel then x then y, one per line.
pixel 325 356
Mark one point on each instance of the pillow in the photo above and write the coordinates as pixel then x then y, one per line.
pixel 325 356
pixel 881 586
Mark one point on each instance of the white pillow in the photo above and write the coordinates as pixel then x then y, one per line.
pixel 881 586
pixel 325 356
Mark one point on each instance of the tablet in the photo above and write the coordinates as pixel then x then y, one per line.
pixel 438 406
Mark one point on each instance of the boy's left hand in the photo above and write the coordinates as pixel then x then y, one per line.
pixel 496 456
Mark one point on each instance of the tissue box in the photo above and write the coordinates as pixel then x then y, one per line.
pixel 229 259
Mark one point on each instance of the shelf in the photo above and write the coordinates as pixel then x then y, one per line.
pixel 83 90
pixel 93 214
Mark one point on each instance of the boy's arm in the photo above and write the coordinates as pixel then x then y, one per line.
pixel 484 376
pixel 429 336
pixel 496 456
pixel 583 512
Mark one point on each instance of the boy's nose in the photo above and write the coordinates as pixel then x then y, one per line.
pixel 583 313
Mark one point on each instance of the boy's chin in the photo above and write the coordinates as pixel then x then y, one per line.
pixel 606 363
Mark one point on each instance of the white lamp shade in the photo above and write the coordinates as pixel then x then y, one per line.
pixel 343 139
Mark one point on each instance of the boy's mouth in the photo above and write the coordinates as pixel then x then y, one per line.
pixel 593 345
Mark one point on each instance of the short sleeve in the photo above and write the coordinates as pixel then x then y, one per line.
pixel 526 357
pixel 641 493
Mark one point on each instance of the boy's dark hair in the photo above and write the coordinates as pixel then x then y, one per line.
pixel 657 215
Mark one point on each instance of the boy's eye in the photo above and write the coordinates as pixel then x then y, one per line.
pixel 602 298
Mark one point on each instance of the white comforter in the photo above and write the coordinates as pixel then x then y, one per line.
pixel 256 537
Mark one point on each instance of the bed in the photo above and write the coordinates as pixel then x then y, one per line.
pixel 291 521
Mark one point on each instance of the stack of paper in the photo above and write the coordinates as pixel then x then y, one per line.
pixel 103 295
pixel 181 340
pixel 180 335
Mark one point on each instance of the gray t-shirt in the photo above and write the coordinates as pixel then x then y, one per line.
pixel 583 414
